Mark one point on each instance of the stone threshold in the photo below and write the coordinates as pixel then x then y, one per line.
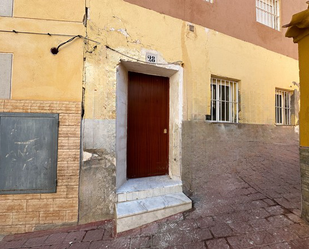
pixel 145 200
pixel 141 188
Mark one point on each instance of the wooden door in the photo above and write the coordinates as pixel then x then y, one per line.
pixel 148 121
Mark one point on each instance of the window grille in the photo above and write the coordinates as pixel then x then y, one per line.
pixel 268 13
pixel 224 100
pixel 283 107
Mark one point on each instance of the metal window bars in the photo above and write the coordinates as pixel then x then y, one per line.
pixel 283 107
pixel 224 100
pixel 268 13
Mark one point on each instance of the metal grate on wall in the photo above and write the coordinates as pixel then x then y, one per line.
pixel 283 107
pixel 28 153
pixel 268 13
pixel 224 100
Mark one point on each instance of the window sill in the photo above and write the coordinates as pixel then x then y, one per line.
pixel 219 122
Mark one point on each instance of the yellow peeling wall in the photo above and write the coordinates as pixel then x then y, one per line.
pixel 303 46
pixel 133 30
pixel 36 73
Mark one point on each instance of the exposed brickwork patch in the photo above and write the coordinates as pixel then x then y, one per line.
pixel 26 212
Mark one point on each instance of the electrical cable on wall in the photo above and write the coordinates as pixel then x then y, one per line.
pixel 53 50
pixel 130 57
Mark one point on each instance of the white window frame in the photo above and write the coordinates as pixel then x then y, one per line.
pixel 224 100
pixel 268 13
pixel 6 8
pixel 6 60
pixel 283 107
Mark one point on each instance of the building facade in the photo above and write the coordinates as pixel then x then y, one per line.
pixel 149 76
pixel 228 67
pixel 40 113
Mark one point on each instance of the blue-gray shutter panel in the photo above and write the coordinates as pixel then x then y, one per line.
pixel 28 153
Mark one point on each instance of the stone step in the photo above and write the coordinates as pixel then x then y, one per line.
pixel 132 214
pixel 141 188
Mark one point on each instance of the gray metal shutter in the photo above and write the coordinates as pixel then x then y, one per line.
pixel 28 153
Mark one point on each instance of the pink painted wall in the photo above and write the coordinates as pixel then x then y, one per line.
pixel 234 18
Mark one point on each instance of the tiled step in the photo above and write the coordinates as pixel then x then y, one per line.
pixel 140 188
pixel 132 214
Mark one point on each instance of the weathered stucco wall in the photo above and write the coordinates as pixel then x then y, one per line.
pixel 50 10
pixel 126 28
pixel 37 74
pixel 304 88
pixel 211 148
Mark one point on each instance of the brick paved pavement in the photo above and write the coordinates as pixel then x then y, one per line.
pixel 250 202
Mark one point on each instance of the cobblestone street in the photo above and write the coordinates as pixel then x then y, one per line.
pixel 251 202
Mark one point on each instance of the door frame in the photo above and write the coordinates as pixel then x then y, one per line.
pixel 175 75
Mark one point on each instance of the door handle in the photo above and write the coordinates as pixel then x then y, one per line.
pixel 165 131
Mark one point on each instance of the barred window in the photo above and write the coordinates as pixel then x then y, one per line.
pixel 268 13
pixel 224 100
pixel 283 107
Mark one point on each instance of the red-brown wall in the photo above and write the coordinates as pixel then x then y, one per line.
pixel 235 18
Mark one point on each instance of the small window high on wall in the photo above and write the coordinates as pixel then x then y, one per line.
pixel 268 13
pixel 6 7
pixel 5 75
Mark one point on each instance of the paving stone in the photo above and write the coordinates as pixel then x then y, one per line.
pixel 173 238
pixel 150 229
pixel 12 244
pixel 56 238
pixel 301 231
pixel 275 210
pixel 116 243
pixel 74 236
pixel 240 227
pixel 279 221
pixel 195 245
pixel 258 213
pixel 217 244
pixel 201 234
pixel 35 241
pixel 260 224
pixel 94 235
pixel 269 202
pixel 221 230
pixel 142 241
pixel 294 218
pixel 282 234
pixel 251 239
pixel 80 245
pixel 203 222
